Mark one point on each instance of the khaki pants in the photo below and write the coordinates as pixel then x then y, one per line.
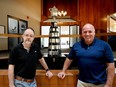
pixel 84 84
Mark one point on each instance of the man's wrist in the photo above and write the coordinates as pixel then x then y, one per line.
pixel 63 70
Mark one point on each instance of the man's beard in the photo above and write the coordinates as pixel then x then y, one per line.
pixel 28 41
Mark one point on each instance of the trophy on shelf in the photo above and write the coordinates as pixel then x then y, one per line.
pixel 54 50
pixel 54 12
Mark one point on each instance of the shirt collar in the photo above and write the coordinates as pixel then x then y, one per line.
pixel 83 42
pixel 21 45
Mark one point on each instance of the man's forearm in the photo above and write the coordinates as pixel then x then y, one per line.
pixel 66 64
pixel 110 74
pixel 43 63
pixel 11 76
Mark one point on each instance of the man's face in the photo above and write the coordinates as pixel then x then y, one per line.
pixel 28 36
pixel 88 33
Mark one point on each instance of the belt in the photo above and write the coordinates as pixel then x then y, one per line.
pixel 23 79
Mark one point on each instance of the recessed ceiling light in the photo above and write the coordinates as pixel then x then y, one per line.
pixel 114 14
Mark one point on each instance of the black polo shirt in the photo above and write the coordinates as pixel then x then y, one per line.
pixel 25 62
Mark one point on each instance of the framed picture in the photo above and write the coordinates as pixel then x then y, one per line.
pixel 2 29
pixel 22 26
pixel 12 25
pixel 15 26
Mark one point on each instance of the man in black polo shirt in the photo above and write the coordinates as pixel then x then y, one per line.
pixel 23 60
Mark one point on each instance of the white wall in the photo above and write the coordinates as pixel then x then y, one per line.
pixel 20 9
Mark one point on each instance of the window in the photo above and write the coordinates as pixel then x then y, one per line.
pixel 64 30
pixel 66 42
pixel 45 31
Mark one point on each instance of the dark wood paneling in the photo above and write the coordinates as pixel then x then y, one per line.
pixel 95 12
pixel 114 5
pixel 66 5
pixel 92 11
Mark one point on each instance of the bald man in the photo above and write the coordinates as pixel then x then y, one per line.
pixel 94 59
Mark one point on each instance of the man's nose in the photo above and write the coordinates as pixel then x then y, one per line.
pixel 87 33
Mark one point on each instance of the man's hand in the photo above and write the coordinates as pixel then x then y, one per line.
pixel 106 85
pixel 11 85
pixel 49 74
pixel 61 74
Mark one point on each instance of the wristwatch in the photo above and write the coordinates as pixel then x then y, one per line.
pixel 47 69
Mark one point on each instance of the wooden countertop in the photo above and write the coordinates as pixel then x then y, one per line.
pixel 42 72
